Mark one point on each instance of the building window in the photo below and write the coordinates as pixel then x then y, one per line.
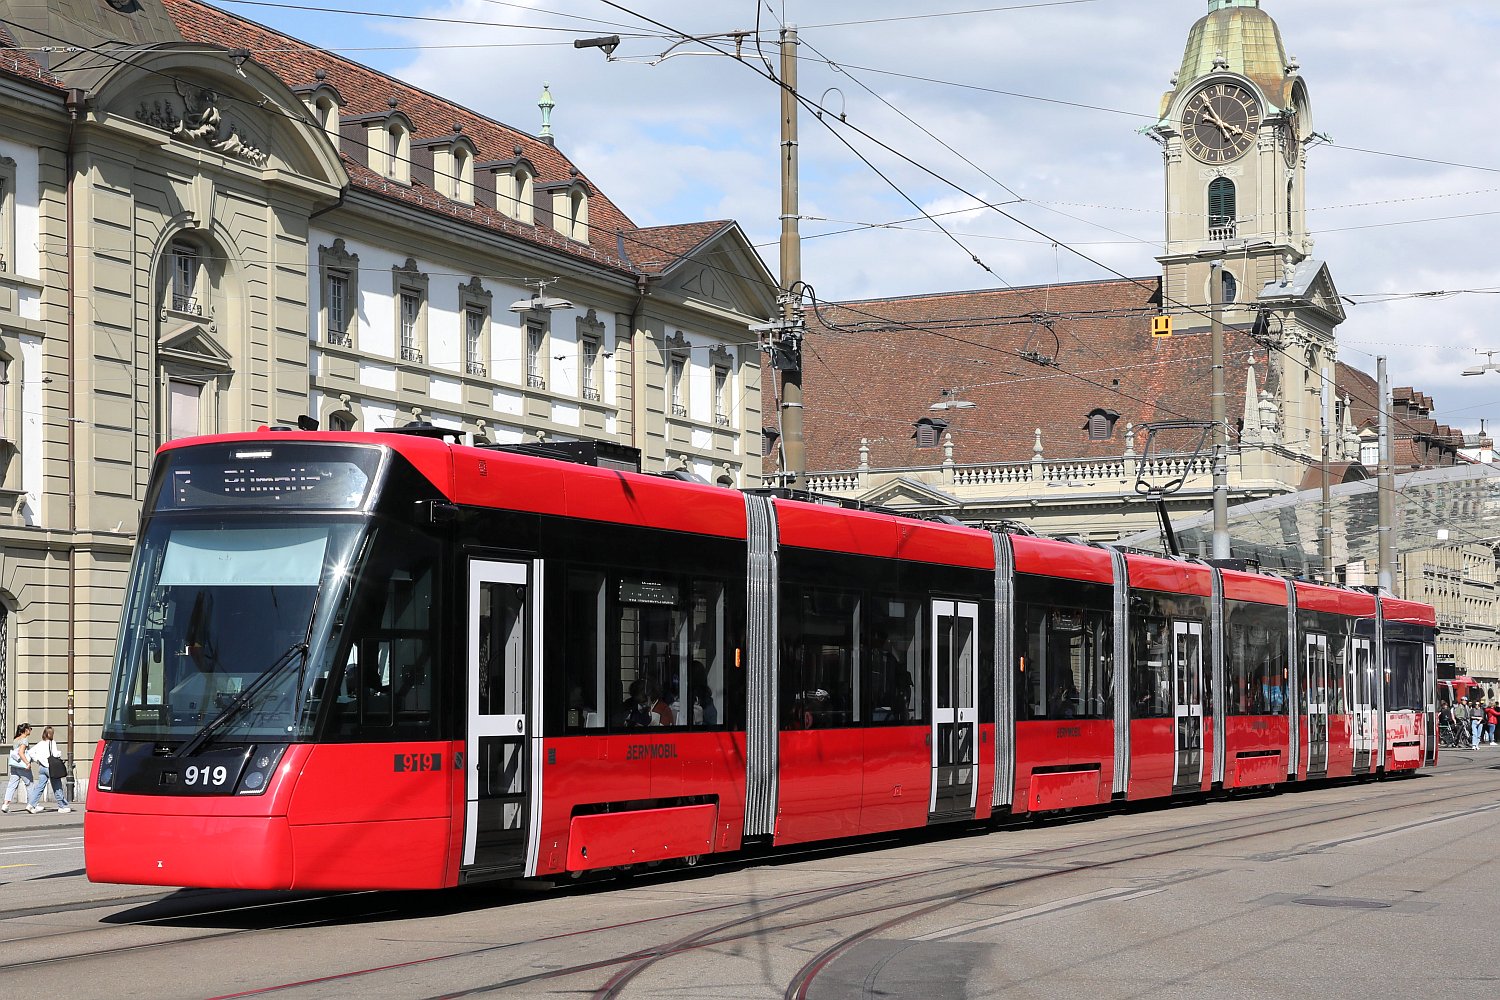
pixel 515 191
pixel 679 401
pixel 536 358
pixel 929 432
pixel 474 301
pixel 1229 288
pixel 411 311
pixel 186 268
pixel 411 314
pixel 341 421
pixel 578 216
pixel 721 396
pixel 1291 212
pixel 7 213
pixel 184 409
pixel 462 181
pixel 340 270
pixel 1221 209
pixel 390 150
pixel 327 111
pixel 1100 424
pixel 588 372
pixel 1369 453
pixel 474 352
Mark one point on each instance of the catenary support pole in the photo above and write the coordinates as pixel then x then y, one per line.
pixel 793 442
pixel 1221 428
pixel 1386 480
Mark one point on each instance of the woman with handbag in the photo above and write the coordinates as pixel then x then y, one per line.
pixel 54 770
pixel 20 766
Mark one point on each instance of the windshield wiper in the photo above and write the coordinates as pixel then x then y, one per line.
pixel 298 650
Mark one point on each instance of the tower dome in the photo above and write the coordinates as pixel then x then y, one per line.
pixel 1238 37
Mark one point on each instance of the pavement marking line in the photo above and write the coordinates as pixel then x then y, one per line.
pixel 3 867
pixel 1118 895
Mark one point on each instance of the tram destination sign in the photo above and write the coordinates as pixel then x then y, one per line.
pixel 280 475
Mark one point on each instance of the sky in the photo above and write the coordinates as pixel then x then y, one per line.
pixel 1035 104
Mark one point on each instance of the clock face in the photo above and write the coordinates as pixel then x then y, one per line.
pixel 1219 122
pixel 1291 141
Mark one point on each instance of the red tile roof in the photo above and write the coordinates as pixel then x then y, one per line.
pixel 14 62
pixel 871 369
pixel 368 92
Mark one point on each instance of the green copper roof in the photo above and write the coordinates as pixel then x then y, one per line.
pixel 1244 36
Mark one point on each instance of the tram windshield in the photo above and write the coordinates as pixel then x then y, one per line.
pixel 217 604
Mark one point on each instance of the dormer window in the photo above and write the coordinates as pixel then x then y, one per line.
pixel 515 190
pixel 570 210
pixel 326 110
pixel 929 432
pixel 461 183
pixel 389 140
pixel 1100 424
pixel 323 102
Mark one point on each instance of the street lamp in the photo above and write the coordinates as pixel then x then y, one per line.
pixel 1488 366
pixel 539 300
pixel 951 402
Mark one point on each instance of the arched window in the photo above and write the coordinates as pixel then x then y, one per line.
pixel 1229 288
pixel 462 183
pixel 398 152
pixel 1221 209
pixel 1291 214
pixel 327 110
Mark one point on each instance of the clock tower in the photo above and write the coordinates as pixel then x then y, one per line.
pixel 1234 130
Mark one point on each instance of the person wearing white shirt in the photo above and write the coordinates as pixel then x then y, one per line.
pixel 43 752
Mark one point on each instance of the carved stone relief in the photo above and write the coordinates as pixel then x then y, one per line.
pixel 201 123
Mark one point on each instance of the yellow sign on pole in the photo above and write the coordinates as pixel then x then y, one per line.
pixel 1161 326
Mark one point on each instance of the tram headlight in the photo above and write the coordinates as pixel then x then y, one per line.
pixel 106 777
pixel 258 770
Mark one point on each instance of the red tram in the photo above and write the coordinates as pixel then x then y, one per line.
pixel 387 661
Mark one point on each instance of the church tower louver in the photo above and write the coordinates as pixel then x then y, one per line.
pixel 1235 131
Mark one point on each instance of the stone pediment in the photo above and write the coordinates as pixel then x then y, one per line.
pixel 1306 285
pixel 909 492
pixel 726 273
pixel 193 342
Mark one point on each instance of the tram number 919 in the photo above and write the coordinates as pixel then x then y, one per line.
pixel 205 776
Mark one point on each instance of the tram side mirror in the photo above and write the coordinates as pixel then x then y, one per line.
pixel 306 423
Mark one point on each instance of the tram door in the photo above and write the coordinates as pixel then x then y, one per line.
pixel 1429 702
pixel 1315 683
pixel 500 751
pixel 1187 683
pixel 1362 689
pixel 955 715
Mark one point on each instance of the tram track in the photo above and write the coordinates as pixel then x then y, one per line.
pixel 630 966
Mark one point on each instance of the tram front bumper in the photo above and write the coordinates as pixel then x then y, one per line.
pixel 215 852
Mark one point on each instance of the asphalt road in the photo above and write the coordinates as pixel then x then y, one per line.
pixel 1377 889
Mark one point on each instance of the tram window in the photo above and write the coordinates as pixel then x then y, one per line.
pixel 1150 669
pixel 1066 664
pixel 892 660
pixel 384 688
pixel 1403 677
pixel 818 631
pixel 651 640
pixel 703 692
pixel 584 650
pixel 1256 666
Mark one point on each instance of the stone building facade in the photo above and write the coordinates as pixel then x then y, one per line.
pixel 208 226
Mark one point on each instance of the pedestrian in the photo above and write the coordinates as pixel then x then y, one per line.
pixel 20 766
pixel 1476 722
pixel 1461 717
pixel 54 769
pixel 1491 717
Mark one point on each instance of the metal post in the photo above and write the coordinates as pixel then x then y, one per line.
pixel 793 443
pixel 1387 482
pixel 1221 428
pixel 1325 541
